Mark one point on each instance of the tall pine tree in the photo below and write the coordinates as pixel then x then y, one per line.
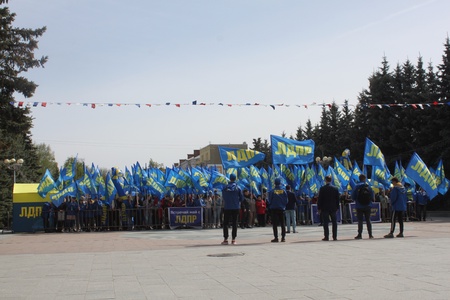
pixel 16 57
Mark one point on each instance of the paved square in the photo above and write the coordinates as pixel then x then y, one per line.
pixel 191 264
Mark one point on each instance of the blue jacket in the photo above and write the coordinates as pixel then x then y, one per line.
pixel 278 198
pixel 421 198
pixel 398 198
pixel 355 195
pixel 232 196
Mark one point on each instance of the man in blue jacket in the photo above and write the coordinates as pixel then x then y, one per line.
pixel 277 201
pixel 422 200
pixel 328 204
pixel 232 198
pixel 398 206
pixel 363 196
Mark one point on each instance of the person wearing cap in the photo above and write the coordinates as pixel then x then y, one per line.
pixel 327 205
pixel 277 201
pixel 232 198
pixel 398 205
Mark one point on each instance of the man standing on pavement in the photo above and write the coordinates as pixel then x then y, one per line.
pixel 363 196
pixel 277 203
pixel 328 204
pixel 232 198
pixel 398 205
pixel 290 210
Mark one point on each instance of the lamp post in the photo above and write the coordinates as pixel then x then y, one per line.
pixel 14 165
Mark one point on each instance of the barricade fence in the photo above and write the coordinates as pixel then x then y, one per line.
pixel 158 218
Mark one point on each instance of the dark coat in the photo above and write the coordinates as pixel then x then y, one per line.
pixel 328 198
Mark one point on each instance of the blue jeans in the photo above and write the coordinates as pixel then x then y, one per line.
pixel 290 218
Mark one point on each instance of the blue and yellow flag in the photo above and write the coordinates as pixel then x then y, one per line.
pixel 174 180
pixel 291 152
pixel 117 179
pixel 86 184
pixel 335 179
pixel 373 155
pixel 243 173
pixel 254 174
pixel 68 172
pixel 155 187
pixel 239 158
pixel 288 175
pixel 218 180
pixel 342 172
pixel 58 198
pixel 264 178
pixel 442 183
pixel 345 160
pixel 46 185
pixel 418 171
pixel 199 181
pixel 111 190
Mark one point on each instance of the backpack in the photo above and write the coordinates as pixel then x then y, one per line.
pixel 364 195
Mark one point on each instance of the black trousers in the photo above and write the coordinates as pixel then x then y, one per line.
pixel 278 219
pixel 364 213
pixel 397 215
pixel 421 212
pixel 326 215
pixel 230 215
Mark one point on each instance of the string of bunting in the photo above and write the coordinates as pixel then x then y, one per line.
pixel 31 104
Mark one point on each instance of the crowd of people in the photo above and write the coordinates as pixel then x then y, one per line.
pixel 280 207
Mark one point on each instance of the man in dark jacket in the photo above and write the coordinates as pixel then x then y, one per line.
pixel 328 204
pixel 232 198
pixel 277 203
pixel 363 209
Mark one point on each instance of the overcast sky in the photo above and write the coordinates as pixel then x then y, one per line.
pixel 233 52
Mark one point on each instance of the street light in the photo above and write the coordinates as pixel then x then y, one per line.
pixel 14 165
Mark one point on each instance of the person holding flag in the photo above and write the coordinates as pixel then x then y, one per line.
pixel 398 204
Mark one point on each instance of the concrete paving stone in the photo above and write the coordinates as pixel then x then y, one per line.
pixel 158 291
pixel 157 263
pixel 100 295
pixel 100 286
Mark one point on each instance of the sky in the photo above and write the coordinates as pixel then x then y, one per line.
pixel 291 52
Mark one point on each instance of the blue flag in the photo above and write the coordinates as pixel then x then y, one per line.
pixel 111 190
pixel 441 181
pixel 286 151
pixel 373 155
pixel 418 171
pixel 68 173
pixel 343 173
pixel 46 185
pixel 239 158
pixel 218 180
pixel 58 198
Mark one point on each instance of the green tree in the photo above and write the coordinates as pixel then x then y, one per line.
pixel 17 48
pixel 46 159
pixel 263 147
